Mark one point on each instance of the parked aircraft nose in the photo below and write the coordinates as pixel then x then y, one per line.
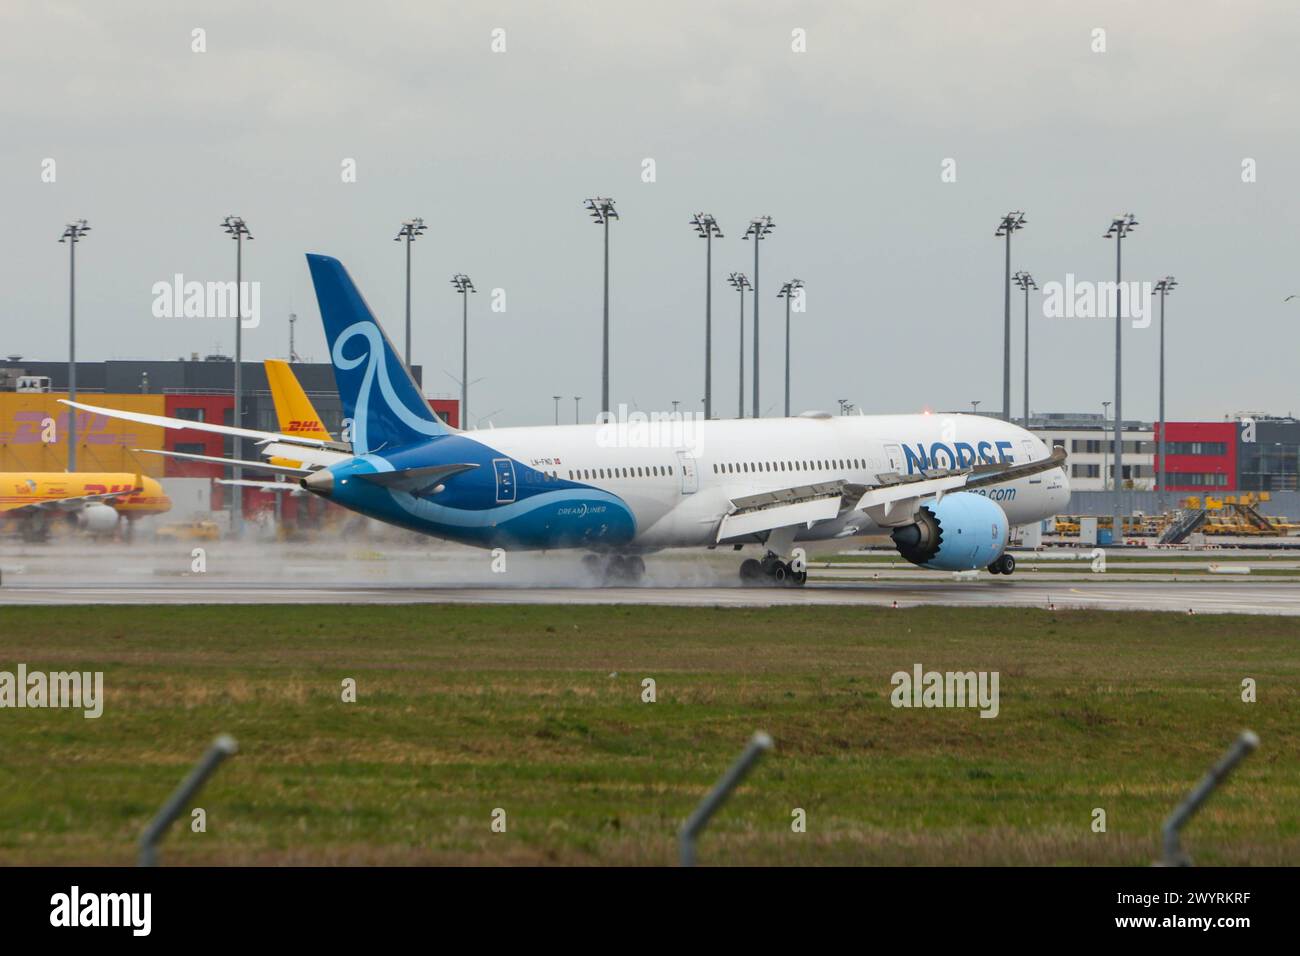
pixel 320 482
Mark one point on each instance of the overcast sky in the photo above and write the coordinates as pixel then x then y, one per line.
pixel 843 145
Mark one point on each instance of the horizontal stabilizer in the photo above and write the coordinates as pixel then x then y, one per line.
pixel 287 486
pixel 417 481
pixel 259 465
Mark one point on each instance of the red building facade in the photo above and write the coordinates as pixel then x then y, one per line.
pixel 1202 456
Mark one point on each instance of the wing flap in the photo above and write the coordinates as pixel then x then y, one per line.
pixel 807 512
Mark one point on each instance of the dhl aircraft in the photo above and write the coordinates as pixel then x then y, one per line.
pixel 95 501
pixel 946 488
pixel 297 416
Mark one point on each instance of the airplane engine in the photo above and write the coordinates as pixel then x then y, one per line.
pixel 97 518
pixel 962 532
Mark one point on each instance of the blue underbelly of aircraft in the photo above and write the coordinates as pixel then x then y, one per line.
pixel 564 518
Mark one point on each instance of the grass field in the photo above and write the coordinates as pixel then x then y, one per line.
pixel 537 710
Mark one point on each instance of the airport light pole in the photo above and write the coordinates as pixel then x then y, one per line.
pixel 411 230
pixel 462 284
pixel 1165 286
pixel 1105 464
pixel 237 229
pixel 975 407
pixel 1009 224
pixel 602 211
pixel 1024 281
pixel 740 282
pixel 788 292
pixel 1120 227
pixel 557 407
pixel 73 233
pixel 758 229
pixel 706 227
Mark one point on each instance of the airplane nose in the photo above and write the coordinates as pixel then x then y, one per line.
pixel 319 483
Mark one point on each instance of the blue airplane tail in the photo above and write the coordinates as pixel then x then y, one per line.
pixel 378 393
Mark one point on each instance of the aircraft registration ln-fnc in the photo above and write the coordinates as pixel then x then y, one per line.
pixel 947 488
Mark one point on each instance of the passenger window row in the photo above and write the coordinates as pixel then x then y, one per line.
pixel 639 471
pixel 747 467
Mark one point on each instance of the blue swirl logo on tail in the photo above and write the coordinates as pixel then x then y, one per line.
pixel 400 415
pixel 376 370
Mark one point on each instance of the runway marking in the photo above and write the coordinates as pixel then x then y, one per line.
pixel 1224 598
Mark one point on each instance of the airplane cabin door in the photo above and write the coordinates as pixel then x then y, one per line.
pixel 505 473
pixel 894 458
pixel 690 478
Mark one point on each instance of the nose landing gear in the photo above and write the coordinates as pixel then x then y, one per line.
pixel 1006 564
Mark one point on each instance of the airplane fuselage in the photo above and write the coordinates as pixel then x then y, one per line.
pixel 636 487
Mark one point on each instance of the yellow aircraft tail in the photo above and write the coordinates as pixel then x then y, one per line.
pixel 292 406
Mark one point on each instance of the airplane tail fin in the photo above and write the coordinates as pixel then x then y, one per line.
pixel 379 395
pixel 293 408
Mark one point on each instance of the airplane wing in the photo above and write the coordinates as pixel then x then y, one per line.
pixel 802 504
pixel 892 502
pixel 280 454
pixel 179 423
pixel 883 501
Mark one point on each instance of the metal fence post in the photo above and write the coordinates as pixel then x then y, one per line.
pixel 1241 747
pixel 223 747
pixel 758 745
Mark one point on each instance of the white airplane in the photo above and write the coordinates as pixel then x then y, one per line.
pixel 947 488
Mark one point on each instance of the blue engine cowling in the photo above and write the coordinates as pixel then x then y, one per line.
pixel 962 532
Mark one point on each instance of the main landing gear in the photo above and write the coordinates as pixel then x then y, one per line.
pixel 772 572
pixel 1003 565
pixel 615 568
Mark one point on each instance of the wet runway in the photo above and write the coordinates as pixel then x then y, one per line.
pixel 280 574
pixel 1243 598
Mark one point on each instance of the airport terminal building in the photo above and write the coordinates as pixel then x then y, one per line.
pixel 1204 458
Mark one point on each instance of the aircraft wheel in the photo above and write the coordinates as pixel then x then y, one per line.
pixel 781 574
pixel 800 578
pixel 634 567
pixel 592 565
pixel 750 570
pixel 1008 564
